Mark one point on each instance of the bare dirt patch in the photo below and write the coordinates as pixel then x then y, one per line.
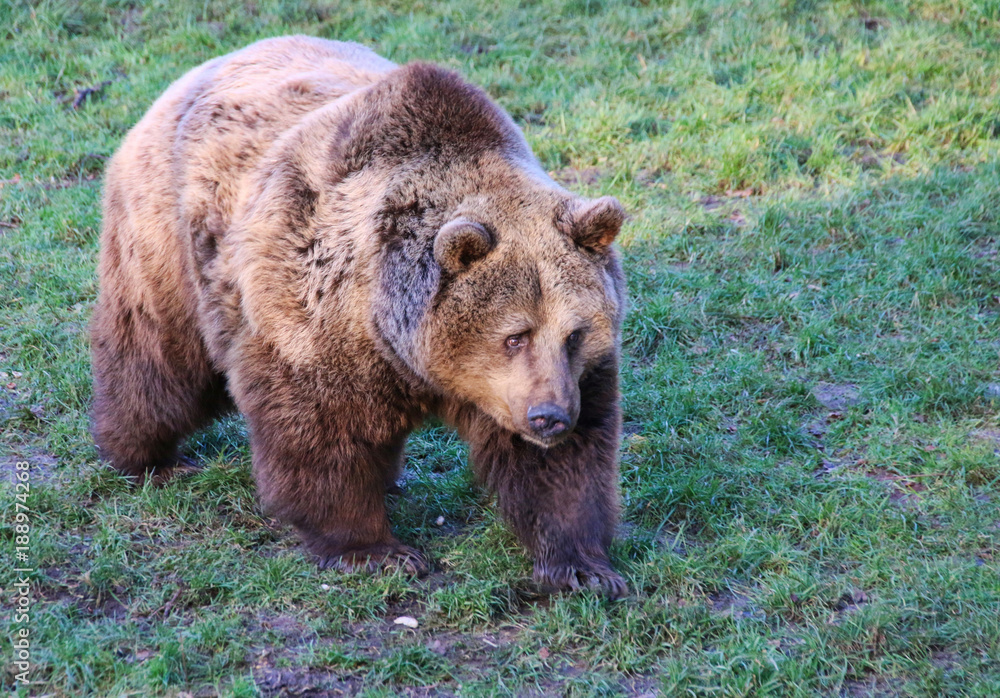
pixel 817 428
pixel 838 463
pixel 904 490
pixel 733 604
pixel 714 201
pixel 286 626
pixel 872 687
pixel 300 681
pixel 946 660
pixel 836 396
pixel 42 466
pixel 729 204
pixel 990 436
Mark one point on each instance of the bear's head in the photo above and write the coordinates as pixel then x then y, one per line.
pixel 504 293
pixel 527 304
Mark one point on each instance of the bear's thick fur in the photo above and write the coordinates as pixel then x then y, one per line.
pixel 337 247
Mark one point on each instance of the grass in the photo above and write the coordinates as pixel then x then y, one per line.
pixel 810 475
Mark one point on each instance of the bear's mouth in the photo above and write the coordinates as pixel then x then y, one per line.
pixel 545 442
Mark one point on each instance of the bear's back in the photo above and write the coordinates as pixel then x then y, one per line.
pixel 248 102
pixel 172 187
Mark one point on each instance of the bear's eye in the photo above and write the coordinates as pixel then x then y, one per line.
pixel 516 341
pixel 573 341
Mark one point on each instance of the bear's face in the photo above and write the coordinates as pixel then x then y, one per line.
pixel 529 301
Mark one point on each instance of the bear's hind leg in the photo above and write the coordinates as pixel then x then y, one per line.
pixel 153 385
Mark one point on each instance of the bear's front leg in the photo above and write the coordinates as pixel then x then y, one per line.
pixel 561 501
pixel 322 460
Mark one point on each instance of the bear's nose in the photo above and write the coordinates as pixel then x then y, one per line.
pixel 548 420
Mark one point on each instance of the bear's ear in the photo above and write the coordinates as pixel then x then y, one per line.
pixel 461 242
pixel 596 224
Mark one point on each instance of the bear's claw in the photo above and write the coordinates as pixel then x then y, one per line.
pixel 378 558
pixel 184 467
pixel 574 577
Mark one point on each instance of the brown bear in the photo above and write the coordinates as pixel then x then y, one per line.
pixel 338 247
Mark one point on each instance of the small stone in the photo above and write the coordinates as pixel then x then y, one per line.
pixel 439 521
pixel 408 621
pixel 324 587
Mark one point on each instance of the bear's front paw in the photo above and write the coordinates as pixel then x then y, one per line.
pixel 184 467
pixel 580 574
pixel 377 558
